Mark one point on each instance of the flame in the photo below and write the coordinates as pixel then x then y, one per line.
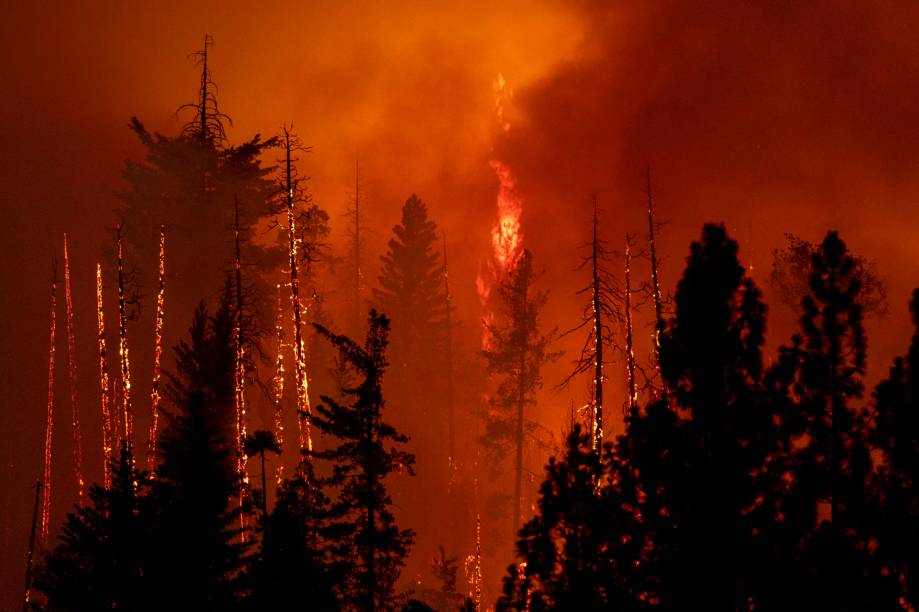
pixel 107 425
pixel 279 382
pixel 157 353
pixel 126 413
pixel 49 421
pixel 506 235
pixel 72 371
pixel 304 412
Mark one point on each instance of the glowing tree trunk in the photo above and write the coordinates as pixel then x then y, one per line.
pixel 27 595
pixel 596 306
pixel 279 383
pixel 304 412
pixel 239 379
pixel 157 354
pixel 108 425
pixel 629 348
pixel 72 371
pixel 655 281
pixel 127 415
pixel 49 419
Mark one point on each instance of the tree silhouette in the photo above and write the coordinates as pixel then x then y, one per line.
pixel 517 353
pixel 828 507
pixel 258 443
pixel 699 453
pixel 303 558
pixel 896 435
pixel 365 456
pixel 102 560
pixel 411 292
pixel 580 551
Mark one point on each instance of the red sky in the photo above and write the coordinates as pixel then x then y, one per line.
pixel 772 117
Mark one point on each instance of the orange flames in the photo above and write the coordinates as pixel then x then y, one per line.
pixel 506 235
pixel 157 353
pixel 126 413
pixel 108 427
pixel 279 383
pixel 49 421
pixel 72 371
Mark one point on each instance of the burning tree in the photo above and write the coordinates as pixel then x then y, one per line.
pixel 599 312
pixel 517 353
pixel 365 456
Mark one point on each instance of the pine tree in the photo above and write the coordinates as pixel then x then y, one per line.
pixel 896 435
pixel 200 551
pixel 101 561
pixel 828 508
pixel 411 292
pixel 517 354
pixel 190 182
pixel 302 559
pixel 580 551
pixel 700 454
pixel 366 454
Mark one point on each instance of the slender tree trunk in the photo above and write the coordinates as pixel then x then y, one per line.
pixel 28 588
pixel 72 371
pixel 126 410
pixel 597 424
pixel 629 343
pixel 655 279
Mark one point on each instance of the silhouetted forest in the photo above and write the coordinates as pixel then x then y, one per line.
pixel 736 481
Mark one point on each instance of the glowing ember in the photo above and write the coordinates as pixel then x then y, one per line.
pixel 108 426
pixel 49 421
pixel 279 382
pixel 157 353
pixel 126 413
pixel 304 412
pixel 72 371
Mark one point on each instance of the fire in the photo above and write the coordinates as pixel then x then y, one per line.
pixel 126 413
pixel 304 412
pixel 72 371
pixel 279 382
pixel 157 353
pixel 49 421
pixel 506 235
pixel 108 426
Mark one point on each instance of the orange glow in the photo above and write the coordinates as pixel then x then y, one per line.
pixel 108 427
pixel 279 382
pixel 72 371
pixel 157 353
pixel 49 420
pixel 127 416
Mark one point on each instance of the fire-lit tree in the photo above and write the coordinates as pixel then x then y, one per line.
pixel 190 181
pixel 411 293
pixel 516 356
pixel 367 453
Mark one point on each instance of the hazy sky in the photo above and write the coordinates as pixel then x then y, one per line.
pixel 770 116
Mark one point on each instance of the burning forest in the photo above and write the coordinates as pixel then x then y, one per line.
pixel 672 362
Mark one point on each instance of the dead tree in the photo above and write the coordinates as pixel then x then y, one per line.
pixel 655 278
pixel 603 307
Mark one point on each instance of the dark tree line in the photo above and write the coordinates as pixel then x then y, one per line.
pixel 172 539
pixel 748 485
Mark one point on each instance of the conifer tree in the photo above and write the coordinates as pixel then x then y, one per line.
pixel 517 354
pixel 302 558
pixel 411 292
pixel 367 452
pixel 101 561
pixel 827 506
pixel 896 436
pixel 581 551
pixel 700 454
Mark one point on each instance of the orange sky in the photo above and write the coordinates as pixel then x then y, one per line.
pixel 772 117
